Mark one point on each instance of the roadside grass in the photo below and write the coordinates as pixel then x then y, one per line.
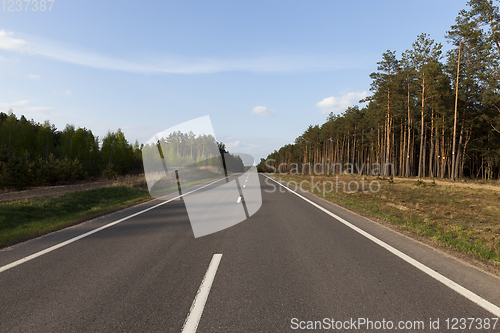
pixel 460 218
pixel 21 220
pixel 24 219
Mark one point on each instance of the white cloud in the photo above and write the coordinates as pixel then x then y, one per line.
pixel 175 64
pixel 234 144
pixel 262 111
pixel 36 108
pixel 34 76
pixel 340 104
pixel 8 105
pixel 68 92
pixel 9 43
pixel 22 107
pixel 258 147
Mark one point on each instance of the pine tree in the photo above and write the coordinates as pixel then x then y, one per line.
pixel 424 57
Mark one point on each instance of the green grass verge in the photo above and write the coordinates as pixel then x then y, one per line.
pixel 25 219
pixel 429 230
pixel 462 219
pixel 423 228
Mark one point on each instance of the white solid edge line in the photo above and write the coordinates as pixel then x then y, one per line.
pixel 441 278
pixel 196 310
pixel 74 239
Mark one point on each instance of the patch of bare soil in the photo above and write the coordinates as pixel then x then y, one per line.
pixel 458 183
pixel 54 191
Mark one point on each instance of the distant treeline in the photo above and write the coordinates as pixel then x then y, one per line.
pixel 33 153
pixel 427 116
pixel 180 149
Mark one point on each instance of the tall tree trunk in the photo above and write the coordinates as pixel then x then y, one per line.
pixel 431 153
pixel 443 152
pixel 393 165
pixel 378 145
pixel 461 174
pixel 424 150
pixel 388 134
pixel 436 151
pixel 494 32
pixel 402 152
pixel 457 162
pixel 409 131
pixel 420 158
pixel 456 107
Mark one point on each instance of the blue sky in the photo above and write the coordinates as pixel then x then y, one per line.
pixel 262 70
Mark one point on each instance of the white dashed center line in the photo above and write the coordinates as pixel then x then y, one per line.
pixel 194 315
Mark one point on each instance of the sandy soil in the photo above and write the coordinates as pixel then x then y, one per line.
pixel 458 183
pixel 53 191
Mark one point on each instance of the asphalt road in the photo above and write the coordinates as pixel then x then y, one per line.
pixel 287 264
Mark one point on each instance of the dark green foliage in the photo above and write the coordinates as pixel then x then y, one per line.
pixel 109 172
pixel 34 154
pixel 53 170
pixel 13 170
pixel 117 153
pixel 412 122
pixel 24 219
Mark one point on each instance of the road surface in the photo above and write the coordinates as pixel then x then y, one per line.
pixel 288 266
